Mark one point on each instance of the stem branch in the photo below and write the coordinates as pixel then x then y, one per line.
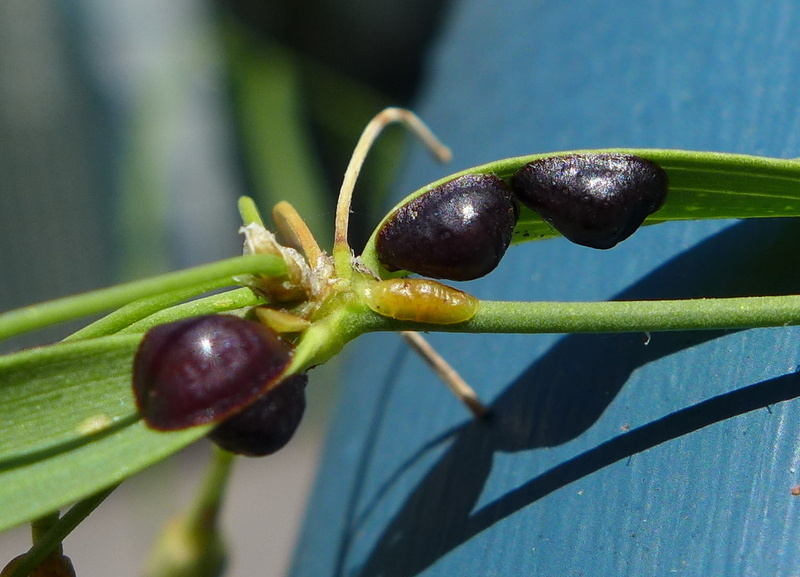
pixel 56 311
pixel 52 539
pixel 615 316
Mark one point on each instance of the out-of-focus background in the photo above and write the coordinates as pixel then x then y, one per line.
pixel 127 132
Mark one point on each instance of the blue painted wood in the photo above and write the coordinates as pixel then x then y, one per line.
pixel 608 454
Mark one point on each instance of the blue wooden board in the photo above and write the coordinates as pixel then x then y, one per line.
pixel 634 454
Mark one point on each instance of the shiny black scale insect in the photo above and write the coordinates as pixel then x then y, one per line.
pixel 457 231
pixel 595 200
pixel 215 369
pixel 461 229
pixel 268 424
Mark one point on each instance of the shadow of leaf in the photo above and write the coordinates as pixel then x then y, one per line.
pixel 565 392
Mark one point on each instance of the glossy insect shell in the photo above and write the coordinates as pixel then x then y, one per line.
pixel 203 369
pixel 595 200
pixel 420 300
pixel 268 424
pixel 459 230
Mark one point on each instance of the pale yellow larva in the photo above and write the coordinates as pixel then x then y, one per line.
pixel 420 300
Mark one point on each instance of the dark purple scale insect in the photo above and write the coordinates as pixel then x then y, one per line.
pixel 458 231
pixel 268 424
pixel 595 200
pixel 205 369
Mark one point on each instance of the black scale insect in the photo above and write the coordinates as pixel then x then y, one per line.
pixel 223 369
pixel 461 229
pixel 216 368
pixel 457 231
pixel 596 200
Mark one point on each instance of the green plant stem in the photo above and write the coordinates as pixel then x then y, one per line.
pixel 614 316
pixel 229 300
pixel 249 211
pixel 52 539
pixel 635 316
pixel 205 509
pixel 141 309
pixel 40 527
pixel 191 544
pixel 36 316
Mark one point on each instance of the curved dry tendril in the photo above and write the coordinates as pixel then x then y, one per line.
pixel 341 248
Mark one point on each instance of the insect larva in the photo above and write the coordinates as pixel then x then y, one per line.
pixel 420 300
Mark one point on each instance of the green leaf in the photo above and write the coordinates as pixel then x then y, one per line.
pixel 68 422
pixel 192 280
pixel 702 185
pixel 69 426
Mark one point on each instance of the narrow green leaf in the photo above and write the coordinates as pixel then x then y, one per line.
pixel 142 308
pixel 69 426
pixel 68 421
pixel 48 313
pixel 231 300
pixel 702 185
